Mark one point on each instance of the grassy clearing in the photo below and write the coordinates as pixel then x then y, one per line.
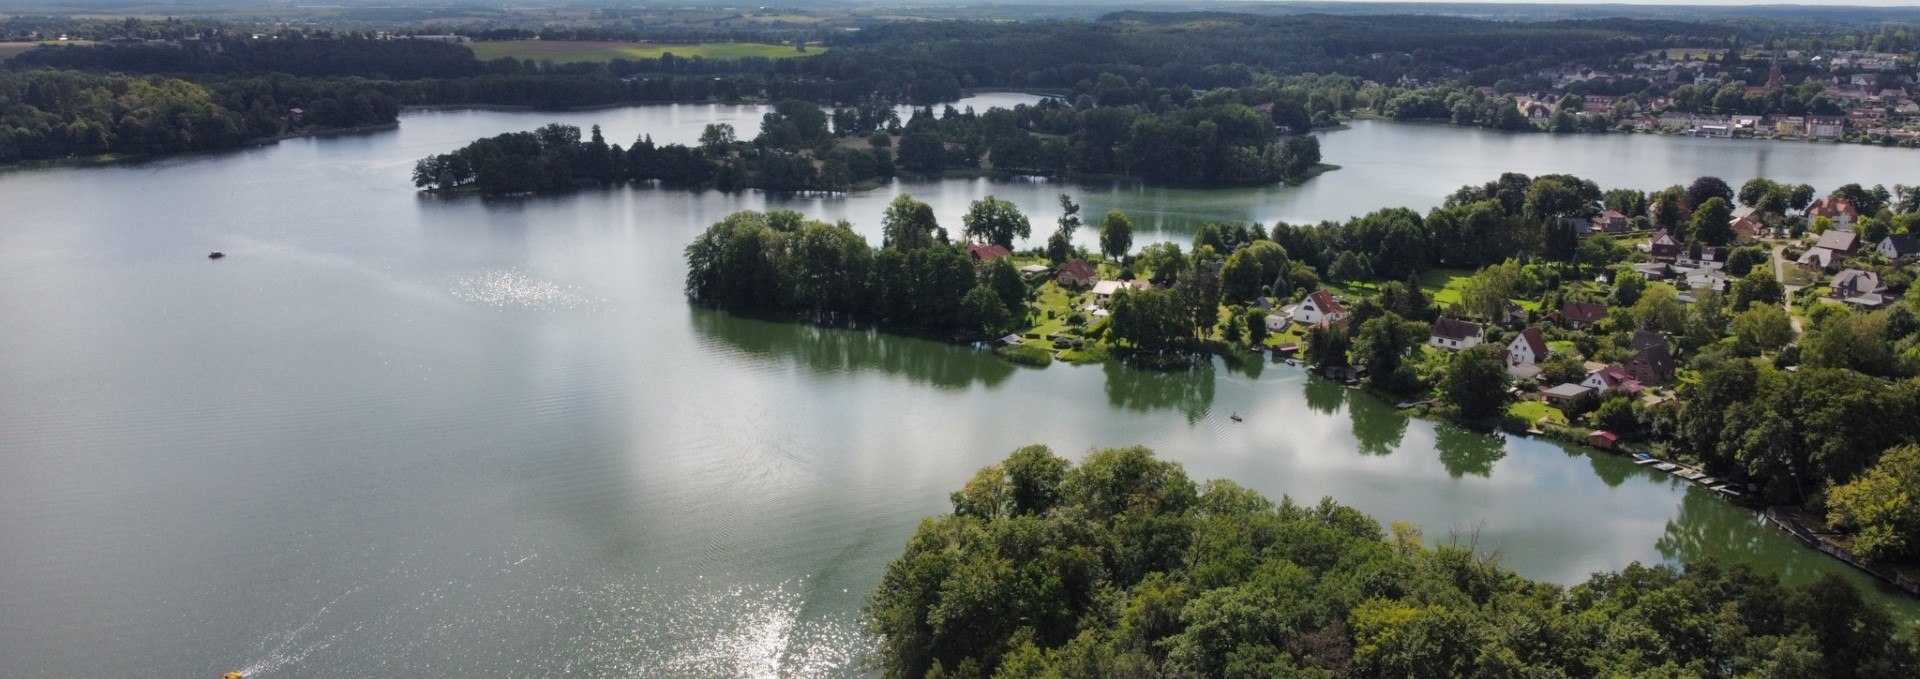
pixel 573 51
pixel 1533 411
pixel 8 49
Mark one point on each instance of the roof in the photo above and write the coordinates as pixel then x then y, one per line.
pixel 1106 287
pixel 1078 268
pixel 1658 357
pixel 1644 338
pixel 1456 329
pixel 1820 256
pixel 1534 342
pixel 1583 312
pixel 1607 436
pixel 1831 207
pixel 1858 281
pixel 1902 244
pixel 1839 241
pixel 1325 302
pixel 1033 268
pixel 1568 390
pixel 987 252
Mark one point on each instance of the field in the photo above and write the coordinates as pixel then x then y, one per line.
pixel 572 51
pixel 8 49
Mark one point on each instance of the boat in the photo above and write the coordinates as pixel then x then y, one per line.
pixel 216 254
pixel 233 675
pixel 1666 466
pixel 1235 417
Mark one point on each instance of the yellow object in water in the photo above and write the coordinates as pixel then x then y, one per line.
pixel 233 675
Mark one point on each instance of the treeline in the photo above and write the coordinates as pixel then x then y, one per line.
pixel 60 114
pixel 1121 566
pixel 299 56
pixel 556 158
pixel 1213 141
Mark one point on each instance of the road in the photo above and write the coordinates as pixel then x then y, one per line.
pixel 1780 265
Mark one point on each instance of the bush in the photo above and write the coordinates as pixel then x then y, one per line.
pixel 1026 355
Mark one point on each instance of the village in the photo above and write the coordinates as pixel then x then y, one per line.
pixel 1586 363
pixel 1848 95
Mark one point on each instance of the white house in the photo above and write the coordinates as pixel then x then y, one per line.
pixel 1611 379
pixel 1317 307
pixel 1104 290
pixel 1527 348
pixel 1277 323
pixel 1899 246
pixel 1455 335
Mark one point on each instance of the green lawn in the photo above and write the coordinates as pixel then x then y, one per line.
pixel 572 51
pixel 1532 411
pixel 1443 286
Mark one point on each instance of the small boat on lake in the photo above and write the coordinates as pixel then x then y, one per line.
pixel 1235 417
pixel 216 254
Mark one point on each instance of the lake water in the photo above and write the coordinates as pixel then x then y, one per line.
pixel 396 435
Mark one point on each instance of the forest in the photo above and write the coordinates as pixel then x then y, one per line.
pixel 1122 566
pixel 61 114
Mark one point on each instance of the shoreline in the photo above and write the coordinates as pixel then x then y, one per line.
pixel 107 159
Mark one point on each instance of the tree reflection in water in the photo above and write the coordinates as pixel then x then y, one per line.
pixel 1325 396
pixel 834 349
pixel 1188 391
pixel 1377 427
pixel 1463 451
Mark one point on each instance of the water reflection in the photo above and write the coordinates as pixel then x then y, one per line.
pixel 1465 452
pixel 832 350
pixel 1707 527
pixel 1377 427
pixel 1189 392
pixel 1325 396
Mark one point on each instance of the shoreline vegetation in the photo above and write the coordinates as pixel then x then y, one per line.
pixel 801 147
pixel 116 159
pixel 1664 319
pixel 1121 565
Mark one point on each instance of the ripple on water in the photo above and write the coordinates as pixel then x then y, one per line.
pixel 515 289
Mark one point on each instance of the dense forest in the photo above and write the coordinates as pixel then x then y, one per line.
pixel 60 114
pixel 1121 566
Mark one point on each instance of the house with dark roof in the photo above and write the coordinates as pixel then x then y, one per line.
pixel 1582 314
pixel 1652 361
pixel 1899 246
pixel 1833 247
pixel 1664 246
pixel 1844 242
pixel 987 252
pixel 1078 273
pixel 1454 334
pixel 1859 288
pixel 1612 221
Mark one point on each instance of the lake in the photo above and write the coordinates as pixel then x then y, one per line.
pixel 401 435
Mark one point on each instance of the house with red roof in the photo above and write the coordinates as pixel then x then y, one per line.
pixel 1078 273
pixel 987 252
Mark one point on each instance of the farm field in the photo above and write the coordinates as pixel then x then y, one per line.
pixel 8 49
pixel 572 51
